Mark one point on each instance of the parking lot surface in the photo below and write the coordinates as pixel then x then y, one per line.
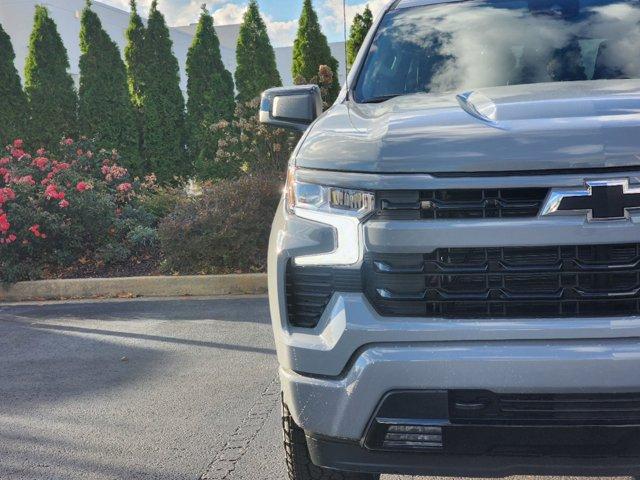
pixel 139 389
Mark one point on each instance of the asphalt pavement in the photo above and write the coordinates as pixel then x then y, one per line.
pixel 139 389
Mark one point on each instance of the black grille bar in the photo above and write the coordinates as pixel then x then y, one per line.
pixel 460 204
pixel 566 409
pixel 516 282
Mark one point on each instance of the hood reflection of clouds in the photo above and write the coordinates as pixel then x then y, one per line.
pixel 478 45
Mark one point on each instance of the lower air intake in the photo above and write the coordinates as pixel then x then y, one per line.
pixel 309 290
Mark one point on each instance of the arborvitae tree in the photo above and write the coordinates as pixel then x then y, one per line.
pixel 257 69
pixel 105 111
pixel 13 103
pixel 311 50
pixel 359 29
pixel 210 93
pixel 48 85
pixel 163 103
pixel 134 54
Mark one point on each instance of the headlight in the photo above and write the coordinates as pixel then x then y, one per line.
pixel 342 208
pixel 334 200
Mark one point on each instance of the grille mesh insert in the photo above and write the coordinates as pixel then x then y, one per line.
pixel 514 282
pixel 460 204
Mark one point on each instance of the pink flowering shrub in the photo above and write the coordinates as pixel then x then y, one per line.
pixel 78 207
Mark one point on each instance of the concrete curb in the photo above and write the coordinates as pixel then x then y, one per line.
pixel 193 286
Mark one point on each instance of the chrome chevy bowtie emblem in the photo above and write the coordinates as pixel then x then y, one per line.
pixel 598 199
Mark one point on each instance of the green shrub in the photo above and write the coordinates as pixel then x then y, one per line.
pixel 224 230
pixel 160 201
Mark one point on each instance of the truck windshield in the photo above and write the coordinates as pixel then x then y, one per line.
pixel 457 47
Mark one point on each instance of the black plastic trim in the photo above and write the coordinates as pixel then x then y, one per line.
pixel 350 456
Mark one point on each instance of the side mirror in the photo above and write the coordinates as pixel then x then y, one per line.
pixel 291 107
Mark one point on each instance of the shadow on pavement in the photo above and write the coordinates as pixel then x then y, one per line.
pixel 241 309
pixel 154 338
pixel 43 366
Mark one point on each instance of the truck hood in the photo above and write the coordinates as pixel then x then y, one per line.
pixel 571 125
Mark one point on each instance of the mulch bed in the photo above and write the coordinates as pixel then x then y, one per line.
pixel 139 267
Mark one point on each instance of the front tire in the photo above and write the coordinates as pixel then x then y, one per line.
pixel 299 464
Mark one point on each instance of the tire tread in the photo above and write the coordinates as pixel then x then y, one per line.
pixel 299 464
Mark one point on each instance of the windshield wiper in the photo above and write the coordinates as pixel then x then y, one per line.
pixel 381 98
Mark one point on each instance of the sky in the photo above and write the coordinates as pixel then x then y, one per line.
pixel 281 16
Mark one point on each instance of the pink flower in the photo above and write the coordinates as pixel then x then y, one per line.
pixel 41 152
pixel 63 204
pixel 35 229
pixel 40 162
pixel 10 239
pixel 5 160
pixel 18 143
pixel 83 186
pixel 60 166
pixel 124 187
pixel 6 195
pixel 4 223
pixel 26 180
pixel 68 141
pixel 17 153
pixel 51 192
pixel 113 172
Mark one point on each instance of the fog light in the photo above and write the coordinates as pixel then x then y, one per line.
pixel 413 437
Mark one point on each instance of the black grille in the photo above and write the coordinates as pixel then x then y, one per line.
pixel 460 204
pixel 515 282
pixel 468 406
pixel 309 290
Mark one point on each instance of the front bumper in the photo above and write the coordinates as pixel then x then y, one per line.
pixel 342 407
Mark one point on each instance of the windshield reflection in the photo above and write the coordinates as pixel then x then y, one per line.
pixel 464 46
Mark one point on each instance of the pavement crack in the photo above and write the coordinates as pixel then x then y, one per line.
pixel 239 441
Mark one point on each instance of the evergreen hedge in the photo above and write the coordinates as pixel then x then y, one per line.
pixel 105 112
pixel 48 85
pixel 257 69
pixel 361 25
pixel 210 94
pixel 134 54
pixel 311 51
pixel 13 102
pixel 163 122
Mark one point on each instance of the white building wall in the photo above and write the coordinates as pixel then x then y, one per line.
pixel 16 17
